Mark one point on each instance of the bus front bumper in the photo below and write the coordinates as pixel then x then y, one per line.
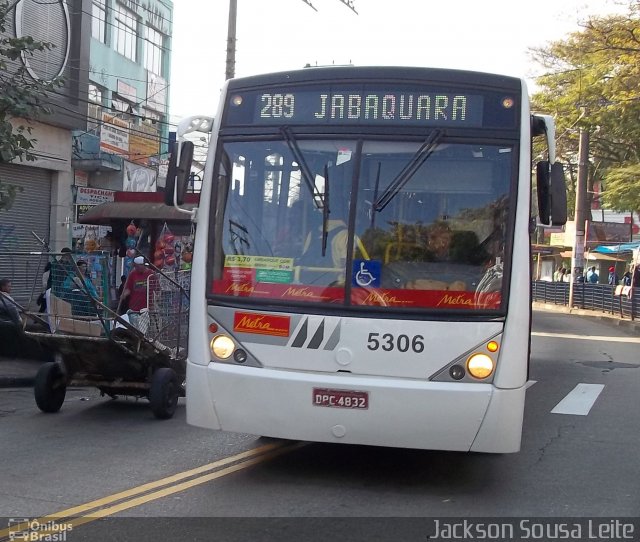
pixel 402 413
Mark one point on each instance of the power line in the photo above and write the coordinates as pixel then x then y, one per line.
pixel 125 30
pixel 73 114
pixel 144 8
pixel 100 104
pixel 82 100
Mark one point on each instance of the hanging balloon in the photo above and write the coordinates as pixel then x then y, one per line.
pixel 131 252
pixel 187 257
pixel 158 262
pixel 90 245
pixel 131 242
pixel 170 261
pixel 131 229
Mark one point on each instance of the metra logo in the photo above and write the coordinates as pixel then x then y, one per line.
pixel 262 324
pixel 301 292
pixel 241 288
pixel 456 300
pixel 244 288
pixel 384 299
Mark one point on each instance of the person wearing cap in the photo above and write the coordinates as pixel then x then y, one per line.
pixel 135 288
pixel 613 277
pixel 58 270
pixel 78 288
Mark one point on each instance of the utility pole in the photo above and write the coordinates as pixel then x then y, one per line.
pixel 577 258
pixel 231 33
pixel 231 40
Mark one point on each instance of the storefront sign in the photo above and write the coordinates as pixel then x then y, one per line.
pixel 80 178
pixel 144 144
pixel 156 93
pixel 93 196
pixel 114 135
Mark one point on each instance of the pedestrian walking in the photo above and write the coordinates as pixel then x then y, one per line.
pixel 135 288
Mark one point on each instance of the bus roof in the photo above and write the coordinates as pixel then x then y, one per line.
pixel 363 73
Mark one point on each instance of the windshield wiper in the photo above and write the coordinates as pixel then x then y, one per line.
pixel 419 158
pixel 304 167
pixel 372 209
pixel 325 211
pixel 238 233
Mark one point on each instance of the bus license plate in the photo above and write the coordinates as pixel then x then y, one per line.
pixel 340 398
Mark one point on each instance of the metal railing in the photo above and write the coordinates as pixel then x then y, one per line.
pixel 616 300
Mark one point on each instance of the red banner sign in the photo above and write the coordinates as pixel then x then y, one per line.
pixel 379 297
pixel 261 324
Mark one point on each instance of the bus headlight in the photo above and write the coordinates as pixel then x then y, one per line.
pixel 480 365
pixel 222 346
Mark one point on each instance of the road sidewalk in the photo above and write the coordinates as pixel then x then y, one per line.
pixel 613 319
pixel 21 372
pixel 18 372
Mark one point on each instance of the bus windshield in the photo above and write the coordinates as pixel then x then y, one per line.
pixel 363 222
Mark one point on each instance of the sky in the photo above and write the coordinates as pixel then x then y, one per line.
pixel 277 35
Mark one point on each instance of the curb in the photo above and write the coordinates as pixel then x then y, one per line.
pixel 614 320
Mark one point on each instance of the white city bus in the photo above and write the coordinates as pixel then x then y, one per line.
pixel 361 270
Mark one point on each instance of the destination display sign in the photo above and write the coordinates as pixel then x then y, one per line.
pixel 370 105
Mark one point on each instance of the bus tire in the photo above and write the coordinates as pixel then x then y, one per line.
pixel 164 392
pixel 49 388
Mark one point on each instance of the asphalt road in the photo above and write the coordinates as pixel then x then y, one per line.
pixel 123 474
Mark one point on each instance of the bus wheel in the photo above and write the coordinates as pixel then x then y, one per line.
pixel 49 388
pixel 163 394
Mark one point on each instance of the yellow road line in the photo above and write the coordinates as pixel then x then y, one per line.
pixel 246 459
pixel 138 501
pixel 601 338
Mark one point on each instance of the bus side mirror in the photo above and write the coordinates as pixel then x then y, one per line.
pixel 178 173
pixel 543 176
pixel 552 193
pixel 558 195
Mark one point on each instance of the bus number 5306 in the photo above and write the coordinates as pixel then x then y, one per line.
pixel 389 342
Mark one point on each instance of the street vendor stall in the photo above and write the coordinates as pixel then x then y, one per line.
pixel 147 211
pixel 141 223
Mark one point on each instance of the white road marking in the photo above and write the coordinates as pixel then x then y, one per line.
pixel 529 384
pixel 579 400
pixel 602 338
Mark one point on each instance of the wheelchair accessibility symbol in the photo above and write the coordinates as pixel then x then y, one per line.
pixel 366 273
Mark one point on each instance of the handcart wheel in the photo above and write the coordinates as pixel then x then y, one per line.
pixel 50 387
pixel 163 394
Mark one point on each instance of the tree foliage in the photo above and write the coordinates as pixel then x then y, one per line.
pixel 592 81
pixel 22 98
pixel 623 188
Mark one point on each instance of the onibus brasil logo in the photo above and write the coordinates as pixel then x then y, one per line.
pixel 33 530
